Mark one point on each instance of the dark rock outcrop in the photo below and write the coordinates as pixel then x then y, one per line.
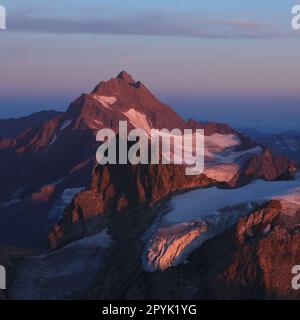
pixel 117 189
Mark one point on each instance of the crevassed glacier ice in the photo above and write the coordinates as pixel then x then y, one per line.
pixel 169 241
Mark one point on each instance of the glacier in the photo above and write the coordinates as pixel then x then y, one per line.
pixel 194 217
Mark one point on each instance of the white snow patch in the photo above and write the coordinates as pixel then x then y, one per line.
pixel 105 101
pixel 53 140
pixel 101 239
pixel 219 142
pixel 57 211
pixel 57 182
pixel 96 124
pixel 232 156
pixel 19 192
pixel 221 160
pixel 214 145
pixel 170 247
pixel 293 197
pixel 223 167
pixel 66 124
pixel 290 202
pixel 204 202
pixel 218 148
pixel 9 203
pixel 138 120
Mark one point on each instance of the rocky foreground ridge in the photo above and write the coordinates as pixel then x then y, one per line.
pixel 118 189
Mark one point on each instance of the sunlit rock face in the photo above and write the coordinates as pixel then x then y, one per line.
pixel 267 249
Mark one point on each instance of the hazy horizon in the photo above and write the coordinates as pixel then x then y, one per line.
pixel 235 63
pixel 203 109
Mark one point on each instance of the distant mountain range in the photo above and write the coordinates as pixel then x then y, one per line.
pixel 286 143
pixel 14 126
pixel 142 231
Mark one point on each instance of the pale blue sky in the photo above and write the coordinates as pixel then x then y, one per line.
pixel 212 58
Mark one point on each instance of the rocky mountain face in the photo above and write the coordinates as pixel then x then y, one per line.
pixel 118 189
pixel 60 154
pixel 266 164
pixel 14 126
pixel 267 249
pixel 45 162
pixel 252 259
pixel 53 189
pixel 64 144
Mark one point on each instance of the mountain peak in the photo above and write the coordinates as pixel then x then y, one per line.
pixel 123 75
pixel 110 86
